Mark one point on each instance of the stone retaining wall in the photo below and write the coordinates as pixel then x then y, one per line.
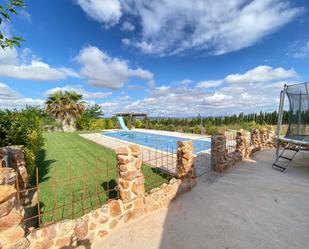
pixel 11 216
pixel 260 139
pixel 133 202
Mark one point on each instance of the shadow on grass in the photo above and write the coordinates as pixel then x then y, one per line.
pixel 43 166
pixel 110 189
pixel 87 196
pixel 31 216
pixel 155 177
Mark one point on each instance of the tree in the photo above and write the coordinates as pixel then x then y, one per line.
pixel 90 117
pixel 23 127
pixel 66 107
pixel 5 11
pixel 93 112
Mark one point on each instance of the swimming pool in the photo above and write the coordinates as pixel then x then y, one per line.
pixel 157 141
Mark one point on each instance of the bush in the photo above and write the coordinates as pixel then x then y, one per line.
pixel 211 130
pixel 138 124
pixel 97 124
pixel 23 128
pixel 170 127
pixel 197 130
pixel 110 124
pixel 83 123
pixel 49 122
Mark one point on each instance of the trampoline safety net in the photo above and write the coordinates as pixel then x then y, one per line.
pixel 298 96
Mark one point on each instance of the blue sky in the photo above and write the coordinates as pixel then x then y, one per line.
pixel 164 57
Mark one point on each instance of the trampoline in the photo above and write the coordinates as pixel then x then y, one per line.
pixel 297 135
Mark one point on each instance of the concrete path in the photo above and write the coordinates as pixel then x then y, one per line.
pixel 250 206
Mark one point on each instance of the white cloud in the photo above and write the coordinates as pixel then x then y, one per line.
pixel 127 26
pixel 23 14
pixel 135 87
pixel 80 90
pixel 262 74
pixel 104 71
pixel 186 81
pixel 225 99
pixel 209 83
pixel 302 52
pixel 10 99
pixel 17 66
pixel 126 41
pixel 126 97
pixel 107 12
pixel 171 27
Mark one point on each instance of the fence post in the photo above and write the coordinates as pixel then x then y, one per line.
pixel 241 144
pixel 185 169
pixel 255 139
pixel 219 153
pixel 271 137
pixel 212 159
pixel 131 180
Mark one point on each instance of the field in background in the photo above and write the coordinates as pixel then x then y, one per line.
pixel 77 175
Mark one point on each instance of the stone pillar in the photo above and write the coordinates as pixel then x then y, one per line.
pixel 263 137
pixel 241 144
pixel 185 159
pixel 16 160
pixel 131 180
pixel 271 137
pixel 11 231
pixel 185 165
pixel 219 153
pixel 255 138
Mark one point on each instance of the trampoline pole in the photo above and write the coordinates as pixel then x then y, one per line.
pixel 280 115
pixel 299 115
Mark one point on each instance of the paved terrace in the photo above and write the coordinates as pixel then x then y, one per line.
pixel 250 206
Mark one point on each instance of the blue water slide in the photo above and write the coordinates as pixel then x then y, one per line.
pixel 122 124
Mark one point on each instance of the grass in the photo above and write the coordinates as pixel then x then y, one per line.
pixel 75 170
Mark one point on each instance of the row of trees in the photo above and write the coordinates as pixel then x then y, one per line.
pixel 261 118
pixel 71 113
pixel 212 125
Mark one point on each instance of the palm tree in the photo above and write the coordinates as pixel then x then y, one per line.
pixel 66 107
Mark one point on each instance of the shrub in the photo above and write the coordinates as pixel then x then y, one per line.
pixel 110 124
pixel 171 127
pixel 83 123
pixel 211 130
pixel 97 124
pixel 197 130
pixel 138 124
pixel 23 128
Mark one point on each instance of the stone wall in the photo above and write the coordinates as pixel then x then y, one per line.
pixel 15 157
pixel 11 216
pixel 222 160
pixel 260 139
pixel 133 202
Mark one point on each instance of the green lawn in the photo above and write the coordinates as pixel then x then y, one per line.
pixel 75 170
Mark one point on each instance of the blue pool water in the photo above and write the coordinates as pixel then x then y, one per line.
pixel 156 141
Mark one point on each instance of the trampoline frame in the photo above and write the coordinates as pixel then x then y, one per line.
pixel 302 140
